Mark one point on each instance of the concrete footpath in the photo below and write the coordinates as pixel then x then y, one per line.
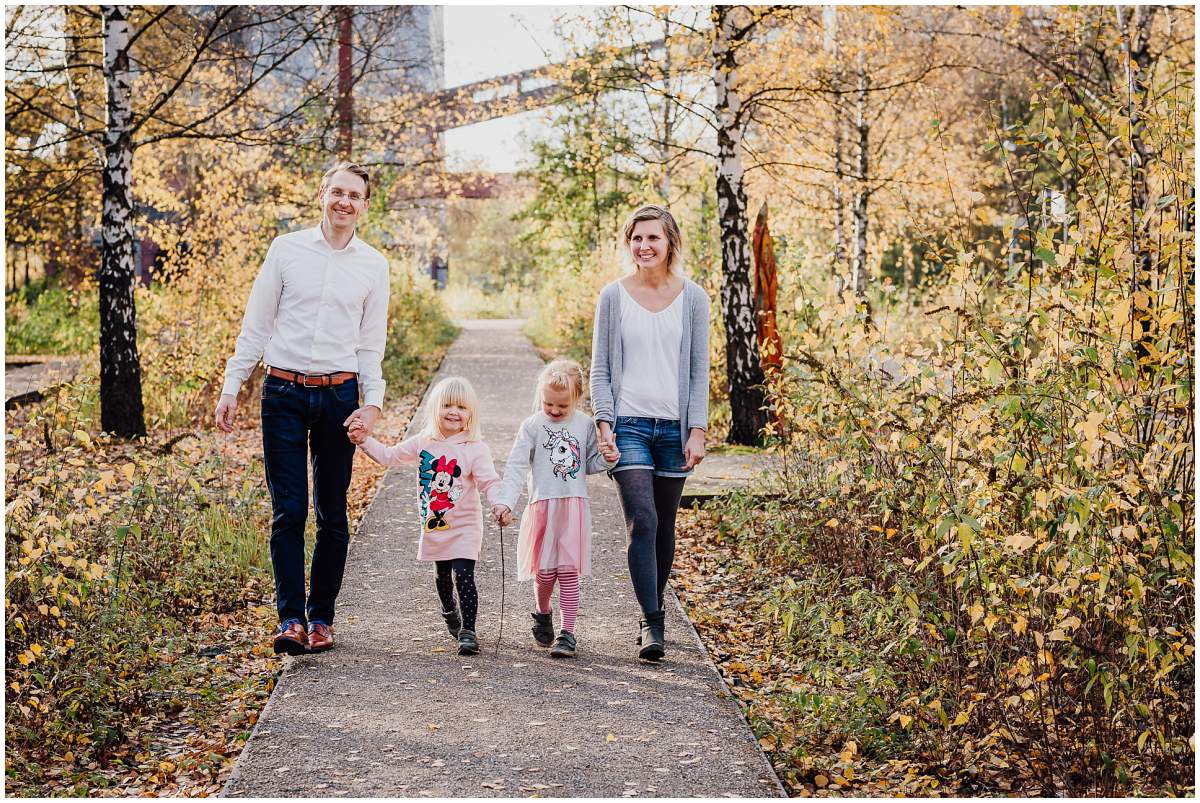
pixel 395 711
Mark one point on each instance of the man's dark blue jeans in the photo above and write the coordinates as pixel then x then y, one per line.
pixel 299 424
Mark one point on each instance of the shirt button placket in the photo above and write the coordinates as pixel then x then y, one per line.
pixel 321 307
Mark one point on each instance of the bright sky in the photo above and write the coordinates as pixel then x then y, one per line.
pixel 485 41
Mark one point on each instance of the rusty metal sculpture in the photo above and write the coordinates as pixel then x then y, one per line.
pixel 770 344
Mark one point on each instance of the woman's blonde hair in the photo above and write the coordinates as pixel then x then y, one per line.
pixel 670 228
pixel 560 374
pixel 451 390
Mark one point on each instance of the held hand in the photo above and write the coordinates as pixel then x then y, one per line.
pixel 606 435
pixel 501 514
pixel 366 416
pixel 226 409
pixel 357 433
pixel 693 450
pixel 609 452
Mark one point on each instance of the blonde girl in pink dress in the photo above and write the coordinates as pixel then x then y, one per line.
pixel 454 467
pixel 556 448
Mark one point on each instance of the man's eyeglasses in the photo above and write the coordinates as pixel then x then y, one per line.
pixel 338 195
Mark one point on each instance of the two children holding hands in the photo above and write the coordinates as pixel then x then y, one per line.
pixel 555 449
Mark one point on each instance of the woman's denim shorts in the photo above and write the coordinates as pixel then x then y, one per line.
pixel 652 443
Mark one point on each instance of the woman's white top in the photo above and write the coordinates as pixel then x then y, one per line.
pixel 650 342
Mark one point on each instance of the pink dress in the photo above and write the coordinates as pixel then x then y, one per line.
pixel 451 474
pixel 555 534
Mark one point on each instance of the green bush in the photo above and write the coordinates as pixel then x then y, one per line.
pixel 44 319
pixel 106 569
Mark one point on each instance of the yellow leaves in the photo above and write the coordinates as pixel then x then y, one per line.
pixel 1020 623
pixel 106 479
pixel 82 438
pixel 966 535
pixel 1089 429
pixel 975 612
pixel 1070 623
pixel 1019 543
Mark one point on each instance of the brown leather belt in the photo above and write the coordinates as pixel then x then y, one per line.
pixel 313 380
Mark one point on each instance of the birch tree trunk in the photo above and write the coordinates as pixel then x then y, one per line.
pixel 1138 66
pixel 737 299
pixel 862 191
pixel 829 19
pixel 121 411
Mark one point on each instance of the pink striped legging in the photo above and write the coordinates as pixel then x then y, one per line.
pixel 568 594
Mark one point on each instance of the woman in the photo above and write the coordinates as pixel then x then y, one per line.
pixel 649 388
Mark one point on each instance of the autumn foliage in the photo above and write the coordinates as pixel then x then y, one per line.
pixel 1003 465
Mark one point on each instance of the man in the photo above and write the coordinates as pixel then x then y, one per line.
pixel 317 316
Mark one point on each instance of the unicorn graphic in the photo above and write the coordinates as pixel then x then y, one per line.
pixel 564 453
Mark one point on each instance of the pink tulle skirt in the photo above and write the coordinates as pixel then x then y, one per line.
pixel 555 533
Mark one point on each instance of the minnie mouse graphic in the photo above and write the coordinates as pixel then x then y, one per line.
pixel 439 491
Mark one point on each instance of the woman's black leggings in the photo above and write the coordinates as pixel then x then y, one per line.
pixel 650 504
pixel 464 578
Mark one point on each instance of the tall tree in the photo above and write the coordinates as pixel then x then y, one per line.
pixel 121 409
pixel 166 73
pixel 732 26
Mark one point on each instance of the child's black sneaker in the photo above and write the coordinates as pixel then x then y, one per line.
pixel 543 628
pixel 453 623
pixel 564 645
pixel 467 643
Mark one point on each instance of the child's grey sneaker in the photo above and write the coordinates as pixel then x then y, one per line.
pixel 543 628
pixel 564 645
pixel 467 643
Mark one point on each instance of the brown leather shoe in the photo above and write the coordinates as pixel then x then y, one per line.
pixel 291 640
pixel 320 637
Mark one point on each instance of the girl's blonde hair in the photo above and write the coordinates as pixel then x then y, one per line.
pixel 670 228
pixel 451 390
pixel 561 374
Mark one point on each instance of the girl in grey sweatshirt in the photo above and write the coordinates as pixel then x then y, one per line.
pixel 556 448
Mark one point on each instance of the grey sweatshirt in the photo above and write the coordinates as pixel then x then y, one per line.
pixel 561 455
pixel 605 379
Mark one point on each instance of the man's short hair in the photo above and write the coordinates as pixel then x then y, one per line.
pixel 349 167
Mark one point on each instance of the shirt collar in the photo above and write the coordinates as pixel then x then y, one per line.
pixel 458 437
pixel 319 237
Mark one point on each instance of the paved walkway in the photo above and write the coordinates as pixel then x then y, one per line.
pixel 394 711
pixel 27 378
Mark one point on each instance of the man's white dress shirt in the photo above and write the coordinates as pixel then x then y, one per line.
pixel 317 311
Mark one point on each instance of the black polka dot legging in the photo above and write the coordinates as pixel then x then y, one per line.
pixel 464 578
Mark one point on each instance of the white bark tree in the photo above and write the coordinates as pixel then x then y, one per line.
pixel 121 409
pixel 743 367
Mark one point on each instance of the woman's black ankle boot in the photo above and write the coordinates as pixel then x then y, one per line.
pixel 652 638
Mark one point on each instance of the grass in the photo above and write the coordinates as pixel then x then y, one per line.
pixel 44 319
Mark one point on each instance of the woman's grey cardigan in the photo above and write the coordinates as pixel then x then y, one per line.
pixel 605 380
